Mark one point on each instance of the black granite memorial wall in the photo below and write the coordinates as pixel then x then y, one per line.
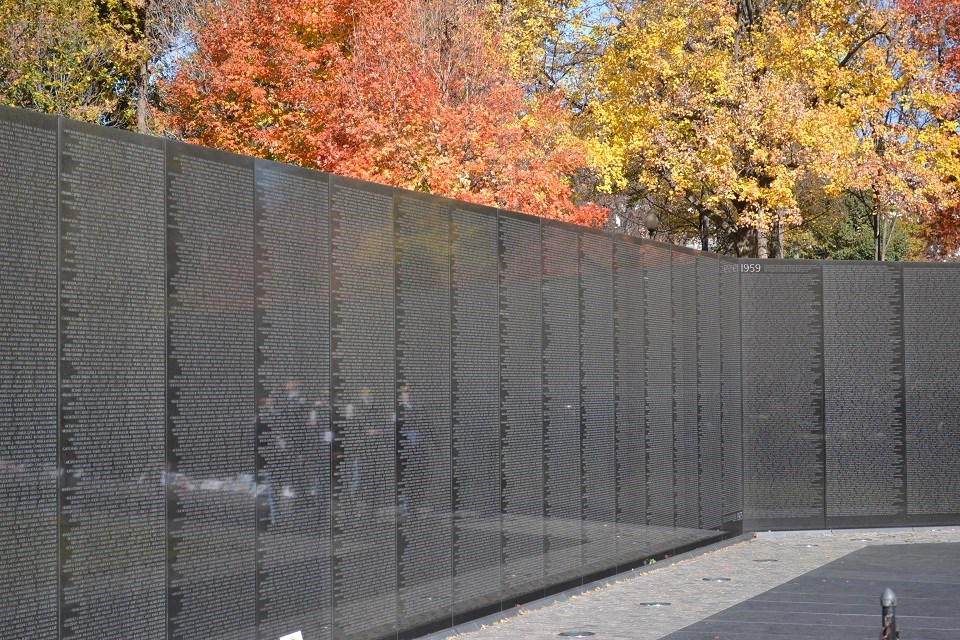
pixel 597 406
pixel 658 384
pixel 248 400
pixel 709 393
pixel 562 434
pixel 863 394
pixel 630 447
pixel 686 439
pixel 522 456
pixel 424 455
pixel 364 400
pixel 850 394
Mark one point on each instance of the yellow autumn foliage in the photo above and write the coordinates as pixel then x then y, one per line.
pixel 732 116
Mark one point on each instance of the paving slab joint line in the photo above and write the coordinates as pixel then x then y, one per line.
pixel 834 532
pixel 493 618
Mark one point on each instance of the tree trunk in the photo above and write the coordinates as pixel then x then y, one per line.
pixel 142 103
pixel 762 238
pixel 877 235
pixel 778 236
pixel 704 232
pixel 742 242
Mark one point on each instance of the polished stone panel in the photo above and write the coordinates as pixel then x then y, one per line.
pixel 521 406
pixel 686 437
pixel 475 386
pixel 294 436
pixel 211 401
pixel 864 394
pixel 931 325
pixel 782 324
pixel 709 401
pixel 562 433
pixel 597 410
pixel 363 360
pixel 731 398
pixel 29 413
pixel 424 454
pixel 658 382
pixel 112 383
pixel 631 426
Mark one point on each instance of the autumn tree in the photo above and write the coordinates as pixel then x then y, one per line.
pixel 551 43
pixel 845 232
pixel 78 58
pixel 724 112
pixel 414 94
pixel 936 26
pixel 164 32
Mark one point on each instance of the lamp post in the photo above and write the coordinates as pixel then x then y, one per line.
pixel 652 222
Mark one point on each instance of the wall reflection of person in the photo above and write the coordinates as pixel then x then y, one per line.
pixel 319 425
pixel 299 447
pixel 374 433
pixel 266 412
pixel 367 420
pixel 342 412
pixel 284 431
pixel 320 417
pixel 408 440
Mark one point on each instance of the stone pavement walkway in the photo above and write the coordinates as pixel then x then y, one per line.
pixel 614 612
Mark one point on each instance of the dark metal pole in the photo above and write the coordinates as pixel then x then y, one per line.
pixel 888 604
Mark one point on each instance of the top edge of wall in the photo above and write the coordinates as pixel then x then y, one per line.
pixel 28 117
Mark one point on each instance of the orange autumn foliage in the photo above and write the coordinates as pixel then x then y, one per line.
pixel 937 25
pixel 414 94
